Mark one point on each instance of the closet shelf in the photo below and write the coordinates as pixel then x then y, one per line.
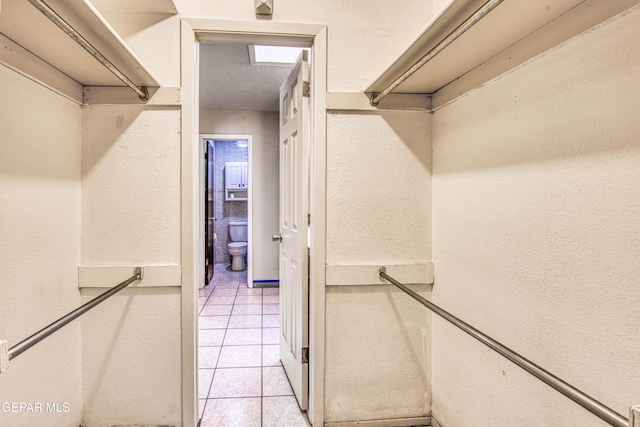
pixel 37 47
pixel 514 32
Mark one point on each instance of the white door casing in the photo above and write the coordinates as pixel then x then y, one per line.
pixel 199 30
pixel 294 210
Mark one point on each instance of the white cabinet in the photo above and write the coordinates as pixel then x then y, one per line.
pixel 236 180
pixel 235 174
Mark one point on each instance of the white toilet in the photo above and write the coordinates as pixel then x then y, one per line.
pixel 238 246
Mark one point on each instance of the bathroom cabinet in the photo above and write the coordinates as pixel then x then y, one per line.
pixel 236 176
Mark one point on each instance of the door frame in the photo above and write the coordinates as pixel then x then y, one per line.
pixel 206 171
pixel 193 31
pixel 249 138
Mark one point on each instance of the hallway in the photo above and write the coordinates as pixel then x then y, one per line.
pixel 241 380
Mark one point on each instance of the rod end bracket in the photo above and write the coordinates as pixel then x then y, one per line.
pixel 374 99
pixel 4 356
pixel 138 272
pixel 382 269
pixel 145 95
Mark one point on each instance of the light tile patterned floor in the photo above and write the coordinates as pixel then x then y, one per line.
pixel 241 379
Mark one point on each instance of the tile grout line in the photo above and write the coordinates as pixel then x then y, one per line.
pixel 206 398
pixel 262 327
pixel 261 357
pixel 221 345
pixel 208 296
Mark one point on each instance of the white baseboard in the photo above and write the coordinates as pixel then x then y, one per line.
pixel 396 422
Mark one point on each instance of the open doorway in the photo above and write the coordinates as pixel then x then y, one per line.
pixel 196 32
pixel 239 94
pixel 241 319
pixel 228 204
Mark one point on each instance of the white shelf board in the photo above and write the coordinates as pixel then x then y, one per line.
pixel 242 193
pixel 29 28
pixel 532 25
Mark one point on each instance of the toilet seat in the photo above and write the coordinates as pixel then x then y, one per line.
pixel 237 245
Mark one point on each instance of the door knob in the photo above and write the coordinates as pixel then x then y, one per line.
pixel 277 237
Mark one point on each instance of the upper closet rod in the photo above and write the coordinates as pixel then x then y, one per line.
pixel 142 91
pixel 460 30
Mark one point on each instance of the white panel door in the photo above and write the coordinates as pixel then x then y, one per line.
pixel 294 209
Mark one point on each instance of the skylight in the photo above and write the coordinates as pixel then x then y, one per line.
pixel 274 55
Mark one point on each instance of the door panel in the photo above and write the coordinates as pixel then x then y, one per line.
pixel 294 196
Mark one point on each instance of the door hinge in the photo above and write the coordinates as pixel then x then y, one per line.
pixel 305 354
pixel 306 89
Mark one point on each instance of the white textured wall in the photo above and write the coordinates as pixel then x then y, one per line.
pixel 39 247
pixel 130 185
pixel 131 354
pixel 536 234
pixel 378 188
pixel 264 169
pixel 378 212
pixel 131 362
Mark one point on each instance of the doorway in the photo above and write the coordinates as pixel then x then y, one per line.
pixel 239 364
pixel 228 200
pixel 207 31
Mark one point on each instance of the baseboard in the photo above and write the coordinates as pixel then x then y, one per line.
pixel 395 422
pixel 266 283
pixel 143 425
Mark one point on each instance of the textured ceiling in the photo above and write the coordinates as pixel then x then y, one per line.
pixel 228 81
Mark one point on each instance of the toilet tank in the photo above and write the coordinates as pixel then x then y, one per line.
pixel 238 231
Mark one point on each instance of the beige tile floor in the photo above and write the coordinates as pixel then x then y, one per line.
pixel 241 379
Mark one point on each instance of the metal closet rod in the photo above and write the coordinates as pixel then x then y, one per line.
pixel 589 403
pixel 460 30
pixel 34 339
pixel 142 91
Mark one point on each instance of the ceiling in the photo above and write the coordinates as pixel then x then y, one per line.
pixel 228 81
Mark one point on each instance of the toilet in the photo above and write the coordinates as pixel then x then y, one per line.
pixel 238 245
